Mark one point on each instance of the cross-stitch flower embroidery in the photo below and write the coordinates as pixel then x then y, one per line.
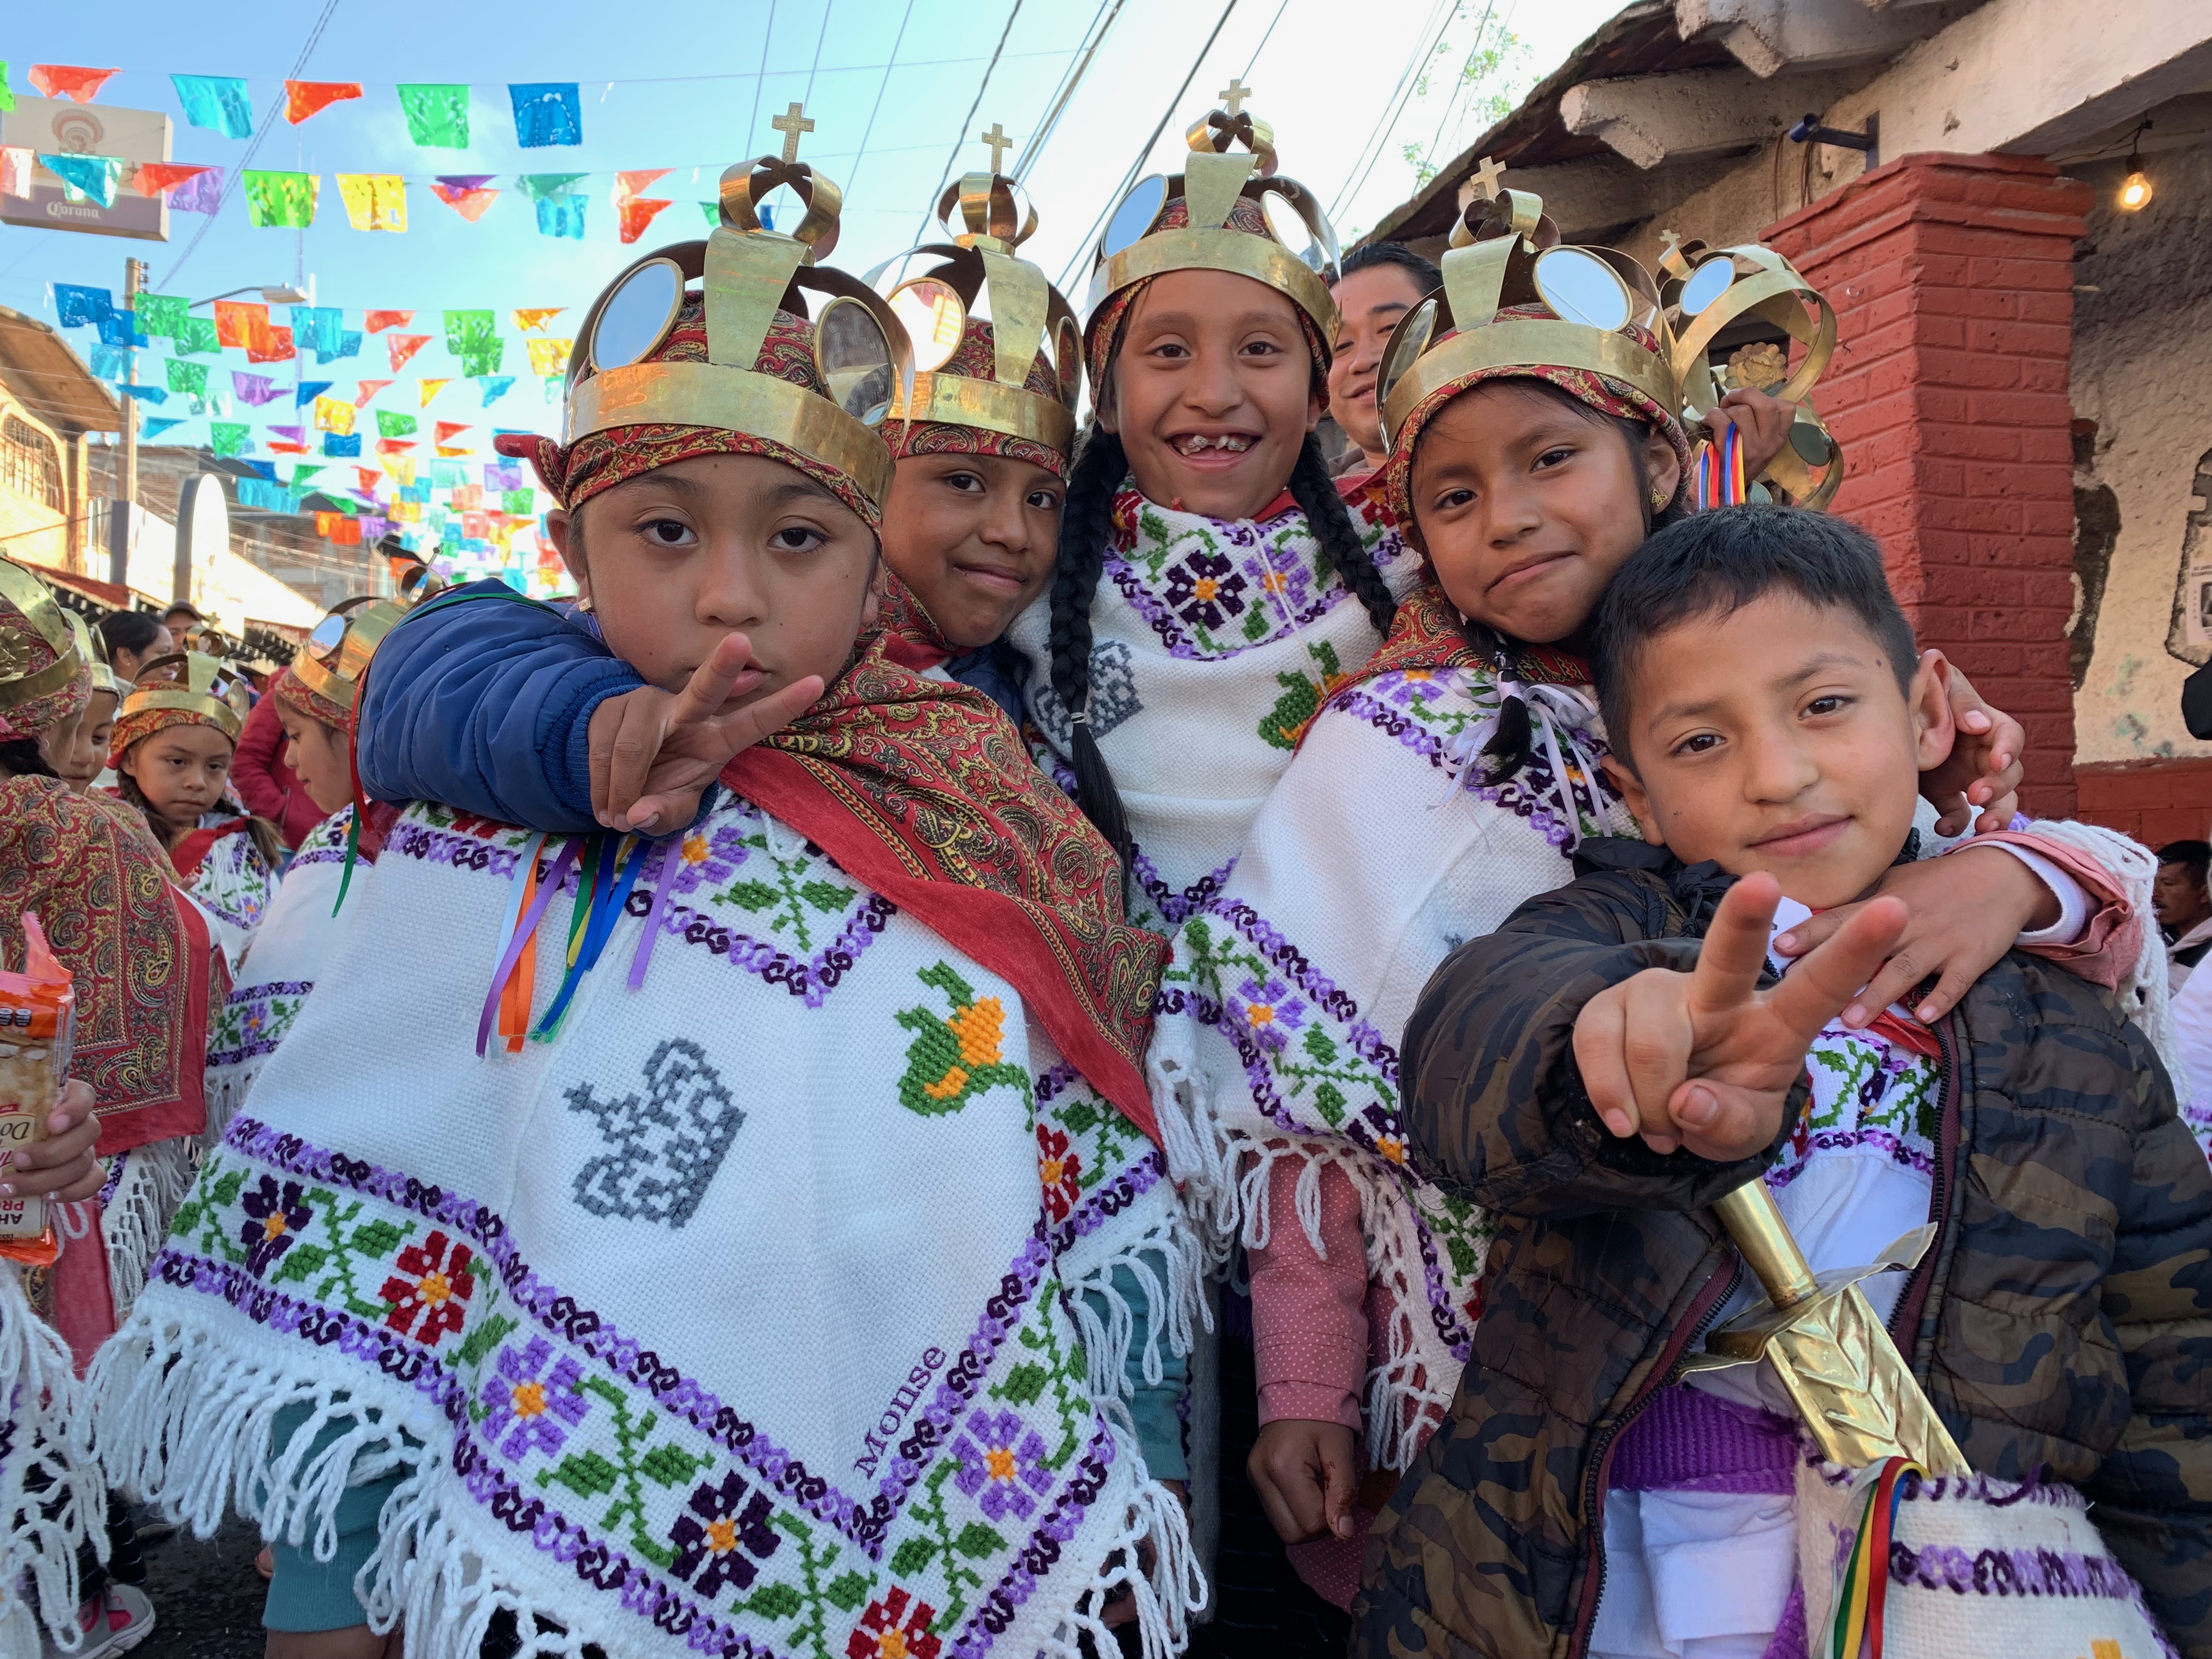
pixel 702 859
pixel 888 1631
pixel 522 1400
pixel 1206 589
pixel 434 1278
pixel 1267 1012
pixel 278 1218
pixel 1059 1169
pixel 723 1532
pixel 997 1459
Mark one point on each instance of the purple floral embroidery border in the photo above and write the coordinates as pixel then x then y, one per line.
pixel 995 1612
pixel 261 993
pixel 1900 1149
pixel 641 1367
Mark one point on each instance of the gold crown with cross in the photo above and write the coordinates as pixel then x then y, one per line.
pixel 203 686
pixel 336 656
pixel 937 288
pixel 747 271
pixel 1232 158
pixel 1610 316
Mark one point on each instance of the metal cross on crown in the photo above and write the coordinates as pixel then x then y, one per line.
pixel 1234 95
pixel 791 124
pixel 1000 143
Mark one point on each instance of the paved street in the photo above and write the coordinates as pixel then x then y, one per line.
pixel 207 1597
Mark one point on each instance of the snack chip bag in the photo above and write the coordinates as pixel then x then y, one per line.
pixel 38 1029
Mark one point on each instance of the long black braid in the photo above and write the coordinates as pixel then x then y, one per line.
pixel 1086 526
pixel 1513 739
pixel 1314 491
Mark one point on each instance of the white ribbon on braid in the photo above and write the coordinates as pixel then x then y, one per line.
pixel 1549 706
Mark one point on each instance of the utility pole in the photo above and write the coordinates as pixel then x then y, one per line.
pixel 126 485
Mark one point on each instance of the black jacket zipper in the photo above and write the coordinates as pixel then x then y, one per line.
pixel 1709 1301
pixel 1905 1322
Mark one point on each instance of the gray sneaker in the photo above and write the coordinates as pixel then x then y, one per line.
pixel 121 1620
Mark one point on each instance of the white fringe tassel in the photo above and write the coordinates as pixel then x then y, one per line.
pixel 39 1540
pixel 134 1222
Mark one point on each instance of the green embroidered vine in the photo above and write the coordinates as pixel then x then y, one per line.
pixel 588 1474
pixel 786 900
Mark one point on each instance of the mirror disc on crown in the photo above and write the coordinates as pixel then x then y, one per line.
pixel 1580 287
pixel 637 315
pixel 1707 283
pixel 932 316
pixel 855 355
pixel 1138 209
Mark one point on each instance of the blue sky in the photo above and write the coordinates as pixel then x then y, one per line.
pixel 683 87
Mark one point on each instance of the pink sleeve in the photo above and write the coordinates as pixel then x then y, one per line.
pixel 2107 948
pixel 1310 1314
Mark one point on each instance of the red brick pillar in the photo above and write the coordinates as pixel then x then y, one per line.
pixel 1952 280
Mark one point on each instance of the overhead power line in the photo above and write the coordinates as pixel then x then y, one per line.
pixel 1078 66
pixel 981 87
pixel 1129 178
pixel 868 131
pixel 1425 47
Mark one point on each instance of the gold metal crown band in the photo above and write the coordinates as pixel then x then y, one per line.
pixel 335 676
pixel 19 684
pixel 1240 253
pixel 712 394
pixel 962 400
pixel 204 687
pixel 214 710
pixel 1528 342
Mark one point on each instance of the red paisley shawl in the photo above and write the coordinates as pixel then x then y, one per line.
pixel 137 948
pixel 922 789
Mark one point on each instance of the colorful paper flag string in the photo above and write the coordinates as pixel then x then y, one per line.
pixel 163 315
pixel 15 164
pixel 437 115
pixel 334 414
pixel 546 113
pixel 201 193
pixel 445 431
pixel 69 81
pixel 159 178
pixel 281 201
pixel 7 97
pixel 560 205
pixel 549 357
pixel 217 102
pixel 319 327
pixel 368 389
pixel 227 437
pixel 531 321
pixel 472 338
pixel 304 98
pixel 340 445
pixel 153 429
pixel 87 178
pixel 275 346
pixel 392 425
pixel 633 211
pixel 196 338
pixel 401 347
pixel 307 391
pixel 78 306
pixel 464 194
pixel 377 321
pixel 374 201
pixel 495 386
pixel 428 389
pixel 238 322
pixel 189 380
pixel 253 389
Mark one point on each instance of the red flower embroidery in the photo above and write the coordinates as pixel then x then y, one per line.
pixel 434 1278
pixel 1058 1168
pixel 886 1632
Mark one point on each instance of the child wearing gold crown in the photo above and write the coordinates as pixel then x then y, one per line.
pixel 713 1277
pixel 171 749
pixel 1529 457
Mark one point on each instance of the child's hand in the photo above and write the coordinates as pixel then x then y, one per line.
pixel 1763 419
pixel 62 1166
pixel 1705 1060
pixel 1984 772
pixel 654 752
pixel 1304 1474
pixel 1965 912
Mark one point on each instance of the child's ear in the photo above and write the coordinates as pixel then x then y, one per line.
pixel 560 529
pixel 1316 404
pixel 872 604
pixel 1101 405
pixel 1635 797
pixel 1934 729
pixel 1663 467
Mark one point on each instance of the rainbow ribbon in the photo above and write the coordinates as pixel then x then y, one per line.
pixel 1865 1587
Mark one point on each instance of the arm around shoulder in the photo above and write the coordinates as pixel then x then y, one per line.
pixel 483 701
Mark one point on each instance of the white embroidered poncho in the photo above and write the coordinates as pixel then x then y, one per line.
pixel 734 1319
pixel 1212 643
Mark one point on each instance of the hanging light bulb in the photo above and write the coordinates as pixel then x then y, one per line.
pixel 2135 193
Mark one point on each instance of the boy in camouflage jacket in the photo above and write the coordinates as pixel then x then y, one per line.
pixel 1752 663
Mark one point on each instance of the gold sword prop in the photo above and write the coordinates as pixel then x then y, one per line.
pixel 1857 1396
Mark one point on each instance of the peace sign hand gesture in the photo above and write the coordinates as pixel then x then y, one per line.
pixel 653 752
pixel 1705 1060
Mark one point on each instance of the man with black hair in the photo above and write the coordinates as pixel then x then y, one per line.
pixel 2181 901
pixel 1379 283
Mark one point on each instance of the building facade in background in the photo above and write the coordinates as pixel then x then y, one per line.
pixel 2024 387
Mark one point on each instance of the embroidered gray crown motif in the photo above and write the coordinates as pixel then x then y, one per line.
pixel 666 1143
pixel 1112 694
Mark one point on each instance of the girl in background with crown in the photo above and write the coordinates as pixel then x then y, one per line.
pixel 171 750
pixel 1529 457
pixel 749 1304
